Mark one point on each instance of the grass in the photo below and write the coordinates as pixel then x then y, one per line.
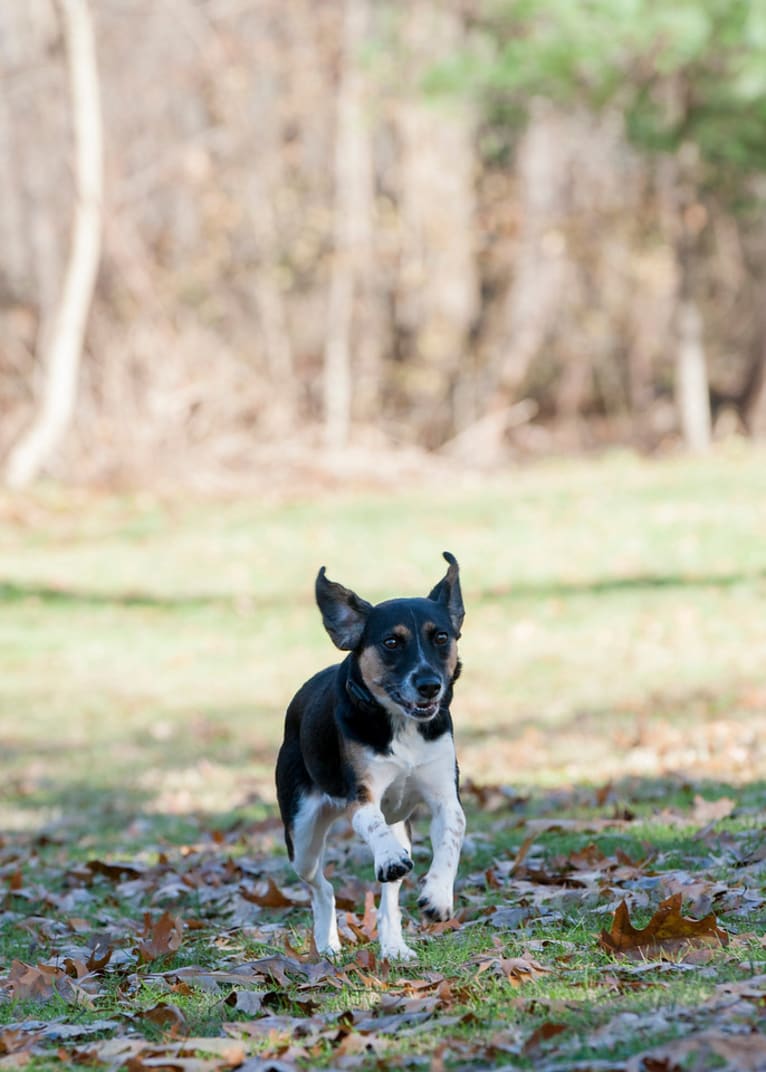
pixel 613 656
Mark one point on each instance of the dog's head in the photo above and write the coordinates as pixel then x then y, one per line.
pixel 406 649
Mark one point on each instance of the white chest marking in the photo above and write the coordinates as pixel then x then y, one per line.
pixel 414 771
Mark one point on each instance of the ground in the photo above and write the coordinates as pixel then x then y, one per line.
pixel 610 727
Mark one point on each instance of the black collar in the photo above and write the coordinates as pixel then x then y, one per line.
pixel 361 696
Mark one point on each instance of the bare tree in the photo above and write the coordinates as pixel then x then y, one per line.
pixel 62 345
pixel 438 299
pixel 351 208
pixel 680 220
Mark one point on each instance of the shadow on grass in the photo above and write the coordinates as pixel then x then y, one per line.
pixel 650 813
pixel 13 591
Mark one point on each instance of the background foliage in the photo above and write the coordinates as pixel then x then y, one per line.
pixel 464 226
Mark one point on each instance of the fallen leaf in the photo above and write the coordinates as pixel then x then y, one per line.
pixel 267 894
pixel 40 982
pixel 667 931
pixel 543 826
pixel 544 1032
pixel 515 970
pixel 160 938
pixel 15 1041
pixel 249 1002
pixel 117 871
pixel 740 1052
pixel 712 811
pixel 168 1017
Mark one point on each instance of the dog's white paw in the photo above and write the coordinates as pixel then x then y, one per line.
pixel 397 951
pixel 435 901
pixel 392 863
pixel 328 948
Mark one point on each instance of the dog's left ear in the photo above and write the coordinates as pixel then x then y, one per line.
pixel 344 614
pixel 447 591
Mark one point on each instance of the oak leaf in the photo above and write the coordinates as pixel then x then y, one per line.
pixel 667 931
pixel 160 938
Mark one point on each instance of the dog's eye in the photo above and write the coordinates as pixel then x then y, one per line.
pixel 440 639
pixel 392 643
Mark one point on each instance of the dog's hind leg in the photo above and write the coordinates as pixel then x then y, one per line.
pixel 313 818
pixel 392 944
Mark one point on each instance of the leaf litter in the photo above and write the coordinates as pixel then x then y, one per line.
pixel 119 943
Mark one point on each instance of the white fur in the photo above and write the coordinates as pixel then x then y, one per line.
pixel 392 944
pixel 309 831
pixel 414 771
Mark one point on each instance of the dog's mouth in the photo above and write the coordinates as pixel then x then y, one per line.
pixel 422 711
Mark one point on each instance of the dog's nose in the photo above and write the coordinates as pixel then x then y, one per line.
pixel 428 687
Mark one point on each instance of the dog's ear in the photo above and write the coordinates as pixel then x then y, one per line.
pixel 344 614
pixel 447 591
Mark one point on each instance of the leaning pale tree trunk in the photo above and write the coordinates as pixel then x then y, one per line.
pixel 63 344
pixel 350 226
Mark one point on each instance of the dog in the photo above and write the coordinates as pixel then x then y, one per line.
pixel 371 738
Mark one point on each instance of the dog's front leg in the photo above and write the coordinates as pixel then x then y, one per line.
pixel 392 943
pixel 447 830
pixel 392 860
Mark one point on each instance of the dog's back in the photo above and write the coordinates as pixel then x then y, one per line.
pixel 310 757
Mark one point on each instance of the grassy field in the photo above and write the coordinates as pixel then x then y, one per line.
pixel 613 697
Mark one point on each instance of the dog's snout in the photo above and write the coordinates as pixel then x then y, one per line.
pixel 427 687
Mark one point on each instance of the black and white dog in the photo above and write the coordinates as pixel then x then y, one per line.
pixel 371 738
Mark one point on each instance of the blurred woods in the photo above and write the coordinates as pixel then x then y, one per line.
pixel 484 227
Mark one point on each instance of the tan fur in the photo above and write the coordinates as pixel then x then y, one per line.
pixel 373 674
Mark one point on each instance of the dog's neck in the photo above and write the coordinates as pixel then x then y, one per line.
pixel 357 692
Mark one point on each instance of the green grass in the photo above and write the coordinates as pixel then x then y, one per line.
pixel 613 655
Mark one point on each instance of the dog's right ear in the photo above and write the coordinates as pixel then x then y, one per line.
pixel 344 614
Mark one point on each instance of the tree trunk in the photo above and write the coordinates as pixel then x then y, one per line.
pixel 540 267
pixel 63 347
pixel 753 401
pixel 438 299
pixel 692 390
pixel 350 227
pixel 677 195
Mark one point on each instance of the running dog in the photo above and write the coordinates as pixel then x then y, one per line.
pixel 370 739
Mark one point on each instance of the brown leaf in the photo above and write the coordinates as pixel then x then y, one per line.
pixel 365 929
pixel 524 848
pixel 590 858
pixel 712 811
pixel 40 982
pixel 25 982
pixel 13 1041
pixel 544 1032
pixel 160 938
pixel 544 826
pixel 453 924
pixel 168 1017
pixel 100 955
pixel 370 917
pixel 743 1052
pixel 515 970
pixel 667 931
pixel 267 894
pixel 117 872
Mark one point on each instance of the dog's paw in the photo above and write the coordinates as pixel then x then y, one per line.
pixel 393 866
pixel 435 903
pixel 329 948
pixel 397 951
